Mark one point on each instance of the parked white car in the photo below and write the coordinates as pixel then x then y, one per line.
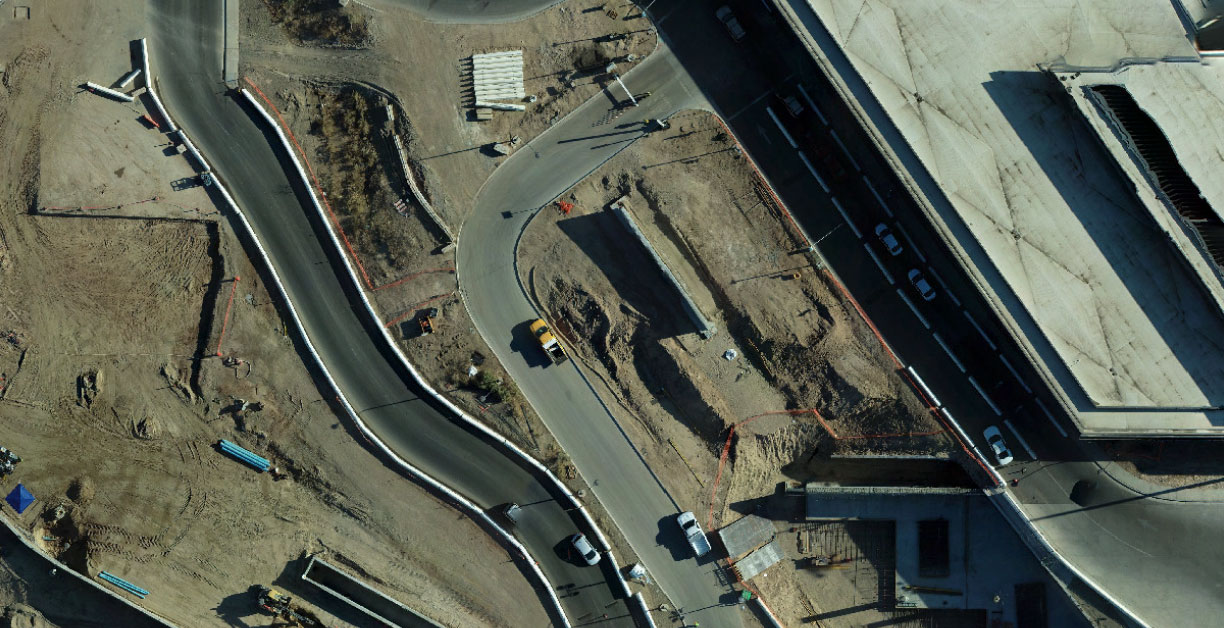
pixel 585 549
pixel 994 438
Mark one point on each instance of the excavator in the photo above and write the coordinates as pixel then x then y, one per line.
pixel 282 606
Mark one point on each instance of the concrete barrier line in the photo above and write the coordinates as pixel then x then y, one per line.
pixel 17 532
pixel 768 613
pixel 315 560
pixel 620 580
pixel 421 381
pixel 636 600
pixel 161 109
pixel 561 487
pixel 145 77
pixel 421 476
pixel 194 153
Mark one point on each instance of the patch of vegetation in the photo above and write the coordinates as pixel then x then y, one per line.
pixel 497 388
pixel 355 177
pixel 320 22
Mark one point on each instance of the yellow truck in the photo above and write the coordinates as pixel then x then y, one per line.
pixel 548 342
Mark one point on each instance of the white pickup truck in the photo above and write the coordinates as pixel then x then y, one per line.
pixel 696 538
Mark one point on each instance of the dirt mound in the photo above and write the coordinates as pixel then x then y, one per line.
pixel 22 616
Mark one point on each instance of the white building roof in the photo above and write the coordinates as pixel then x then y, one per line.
pixel 1031 184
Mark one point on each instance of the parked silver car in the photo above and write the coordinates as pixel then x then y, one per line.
pixel 921 285
pixel 888 239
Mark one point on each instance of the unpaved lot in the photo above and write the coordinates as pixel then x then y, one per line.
pixel 112 311
pixel 787 343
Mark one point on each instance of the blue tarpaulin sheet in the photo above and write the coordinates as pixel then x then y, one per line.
pixel 20 498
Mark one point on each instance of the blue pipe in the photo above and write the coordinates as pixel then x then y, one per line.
pixel 260 463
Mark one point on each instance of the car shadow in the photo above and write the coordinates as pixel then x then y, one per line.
pixel 670 538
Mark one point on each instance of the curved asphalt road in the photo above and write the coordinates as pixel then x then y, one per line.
pixel 186 48
pixel 531 178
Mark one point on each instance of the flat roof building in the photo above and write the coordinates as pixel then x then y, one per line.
pixel 1104 267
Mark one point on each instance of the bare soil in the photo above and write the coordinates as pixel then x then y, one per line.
pixel 787 343
pixel 115 284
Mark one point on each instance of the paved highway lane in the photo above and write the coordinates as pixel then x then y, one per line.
pixel 185 51
pixel 531 178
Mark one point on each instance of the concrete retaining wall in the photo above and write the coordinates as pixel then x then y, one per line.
pixel 704 326
pixel 372 601
pixel 69 572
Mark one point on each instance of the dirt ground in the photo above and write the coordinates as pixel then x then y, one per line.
pixel 110 393
pixel 795 346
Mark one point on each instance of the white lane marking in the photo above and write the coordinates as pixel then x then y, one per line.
pixel 1051 416
pixel 848 221
pixel 942 283
pixel 1014 373
pixel 887 275
pixel 789 140
pixel 1023 443
pixel 812 104
pixel 979 329
pixel 876 194
pixel 845 150
pixel 764 135
pixel 985 396
pixel 949 352
pixel 901 293
pixel 905 234
pixel 804 159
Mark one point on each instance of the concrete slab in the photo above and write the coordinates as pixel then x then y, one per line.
pixel 746 534
pixel 1108 307
pixel 758 561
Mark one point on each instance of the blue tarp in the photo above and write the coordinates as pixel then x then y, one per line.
pixel 20 498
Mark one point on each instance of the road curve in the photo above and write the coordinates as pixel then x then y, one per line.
pixel 530 179
pixel 186 51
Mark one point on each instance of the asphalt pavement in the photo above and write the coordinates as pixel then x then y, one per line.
pixel 526 182
pixel 186 52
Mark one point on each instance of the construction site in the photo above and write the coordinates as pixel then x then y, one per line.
pixel 172 438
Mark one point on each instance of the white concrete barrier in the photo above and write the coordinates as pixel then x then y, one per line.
pixel 195 154
pixel 475 511
pixel 639 603
pixel 128 78
pixel 144 62
pixel 161 109
pixel 622 587
pixel 106 91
